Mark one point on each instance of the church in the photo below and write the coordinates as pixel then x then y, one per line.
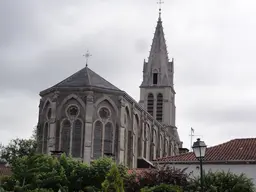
pixel 87 117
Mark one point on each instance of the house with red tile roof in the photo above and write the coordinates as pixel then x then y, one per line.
pixel 5 170
pixel 237 156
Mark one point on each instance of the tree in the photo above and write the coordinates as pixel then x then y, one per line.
pixel 223 181
pixel 113 181
pixel 36 171
pixel 17 148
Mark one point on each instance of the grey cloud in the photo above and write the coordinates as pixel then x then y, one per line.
pixel 223 114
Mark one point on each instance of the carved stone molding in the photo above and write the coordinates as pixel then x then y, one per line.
pixel 122 101
pixel 52 120
pixel 89 97
pixel 55 96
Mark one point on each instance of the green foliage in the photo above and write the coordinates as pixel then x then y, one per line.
pixel 37 171
pixel 40 190
pixel 222 181
pixel 43 173
pixel 162 188
pixel 99 169
pixel 46 172
pixel 17 148
pixel 113 181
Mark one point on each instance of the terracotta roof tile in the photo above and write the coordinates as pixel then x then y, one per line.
pixel 234 150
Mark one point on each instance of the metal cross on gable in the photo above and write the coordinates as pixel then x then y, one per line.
pixel 87 55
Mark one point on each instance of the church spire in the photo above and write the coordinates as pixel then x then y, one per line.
pixel 158 66
pixel 158 48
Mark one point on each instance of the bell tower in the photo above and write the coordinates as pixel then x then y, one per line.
pixel 157 93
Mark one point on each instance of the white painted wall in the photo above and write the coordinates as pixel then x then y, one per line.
pixel 248 169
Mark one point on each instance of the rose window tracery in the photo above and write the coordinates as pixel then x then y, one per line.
pixel 72 111
pixel 104 113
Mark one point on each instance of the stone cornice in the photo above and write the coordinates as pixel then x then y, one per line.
pixel 79 89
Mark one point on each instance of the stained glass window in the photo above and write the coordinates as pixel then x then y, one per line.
pixel 65 136
pixel 108 139
pixel 97 141
pixel 76 140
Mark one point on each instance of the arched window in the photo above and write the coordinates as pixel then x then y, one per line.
pixel 155 77
pixel 97 141
pixel 150 107
pixel 65 136
pixel 130 148
pixel 108 139
pixel 166 145
pixel 161 145
pixel 116 140
pixel 45 137
pixel 146 139
pixel 139 133
pixel 159 107
pixel 40 137
pixel 77 139
pixel 49 114
pixel 152 145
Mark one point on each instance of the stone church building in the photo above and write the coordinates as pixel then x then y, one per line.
pixel 87 117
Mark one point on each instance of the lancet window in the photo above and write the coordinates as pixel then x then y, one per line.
pixel 46 128
pixel 146 140
pixel 103 135
pixel 71 132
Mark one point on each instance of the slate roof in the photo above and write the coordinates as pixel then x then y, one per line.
pixel 234 151
pixel 84 78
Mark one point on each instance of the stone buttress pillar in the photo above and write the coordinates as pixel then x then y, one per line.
pixel 89 109
pixel 122 134
pixel 52 129
pixel 134 138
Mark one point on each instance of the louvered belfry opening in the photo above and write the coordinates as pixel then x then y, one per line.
pixel 150 108
pixel 159 107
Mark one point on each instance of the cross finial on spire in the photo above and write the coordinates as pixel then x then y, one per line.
pixel 160 6
pixel 87 55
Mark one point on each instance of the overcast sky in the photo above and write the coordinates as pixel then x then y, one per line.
pixel 213 43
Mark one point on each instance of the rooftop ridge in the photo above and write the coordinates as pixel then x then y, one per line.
pixel 83 78
pixel 229 151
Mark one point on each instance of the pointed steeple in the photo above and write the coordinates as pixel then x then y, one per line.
pixel 158 48
pixel 158 62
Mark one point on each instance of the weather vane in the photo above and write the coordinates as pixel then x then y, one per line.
pixel 87 55
pixel 160 5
